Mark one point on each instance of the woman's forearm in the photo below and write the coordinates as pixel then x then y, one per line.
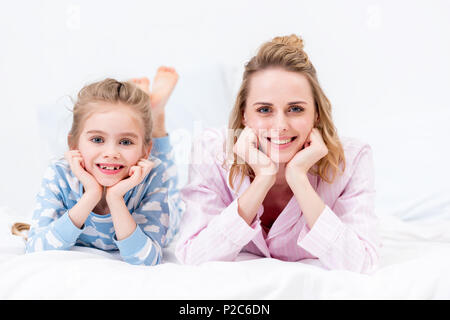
pixel 250 201
pixel 309 201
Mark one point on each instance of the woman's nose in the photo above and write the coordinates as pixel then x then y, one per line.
pixel 280 123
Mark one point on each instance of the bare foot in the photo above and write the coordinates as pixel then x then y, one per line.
pixel 163 84
pixel 142 83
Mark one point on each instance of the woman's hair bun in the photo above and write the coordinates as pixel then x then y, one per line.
pixel 292 41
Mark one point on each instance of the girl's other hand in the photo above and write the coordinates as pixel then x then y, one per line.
pixel 76 163
pixel 246 148
pixel 136 174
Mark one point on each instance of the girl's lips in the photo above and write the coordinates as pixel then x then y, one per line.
pixel 109 169
pixel 281 143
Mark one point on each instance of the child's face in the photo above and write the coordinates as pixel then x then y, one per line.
pixel 111 142
pixel 280 108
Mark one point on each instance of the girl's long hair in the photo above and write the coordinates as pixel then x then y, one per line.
pixel 18 228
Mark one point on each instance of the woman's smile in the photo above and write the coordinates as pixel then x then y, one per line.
pixel 281 143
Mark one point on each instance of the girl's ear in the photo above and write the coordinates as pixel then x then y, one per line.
pixel 147 150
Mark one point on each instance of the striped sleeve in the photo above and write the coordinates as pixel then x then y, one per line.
pixel 211 228
pixel 345 236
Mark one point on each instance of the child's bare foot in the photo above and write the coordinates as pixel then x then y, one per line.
pixel 163 84
pixel 142 83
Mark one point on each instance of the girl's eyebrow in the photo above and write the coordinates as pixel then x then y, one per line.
pixel 127 134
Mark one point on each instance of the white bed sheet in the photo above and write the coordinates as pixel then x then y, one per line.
pixel 415 264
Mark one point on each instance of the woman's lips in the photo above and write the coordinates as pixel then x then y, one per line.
pixel 281 143
pixel 109 168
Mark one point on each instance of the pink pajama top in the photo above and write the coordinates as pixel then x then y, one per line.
pixel 343 237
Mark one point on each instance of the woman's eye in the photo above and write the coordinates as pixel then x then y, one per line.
pixel 263 110
pixel 296 109
pixel 97 140
pixel 126 142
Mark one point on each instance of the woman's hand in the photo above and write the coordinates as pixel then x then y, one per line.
pixel 246 148
pixel 90 184
pixel 313 150
pixel 136 174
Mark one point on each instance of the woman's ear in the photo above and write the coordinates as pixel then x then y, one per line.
pixel 244 120
pixel 69 142
pixel 316 120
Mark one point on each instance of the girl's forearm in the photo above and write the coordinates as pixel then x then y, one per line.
pixel 81 210
pixel 124 224
pixel 250 201
pixel 309 201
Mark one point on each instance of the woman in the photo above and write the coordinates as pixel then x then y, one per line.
pixel 293 189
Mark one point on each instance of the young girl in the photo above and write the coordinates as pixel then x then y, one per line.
pixel 293 189
pixel 110 192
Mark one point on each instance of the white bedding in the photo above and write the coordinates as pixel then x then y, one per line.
pixel 377 97
pixel 415 264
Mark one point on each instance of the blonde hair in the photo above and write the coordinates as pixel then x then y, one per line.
pixel 110 91
pixel 114 92
pixel 287 53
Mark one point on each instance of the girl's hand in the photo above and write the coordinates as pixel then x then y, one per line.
pixel 136 174
pixel 246 148
pixel 90 184
pixel 313 150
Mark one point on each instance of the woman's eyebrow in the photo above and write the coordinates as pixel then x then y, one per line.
pixel 289 103
pixel 297 102
pixel 263 103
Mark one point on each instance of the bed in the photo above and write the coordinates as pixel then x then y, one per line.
pixel 413 205
pixel 414 264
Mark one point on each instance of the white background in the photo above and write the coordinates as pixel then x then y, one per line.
pixel 384 65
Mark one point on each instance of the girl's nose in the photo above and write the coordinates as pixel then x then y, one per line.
pixel 111 152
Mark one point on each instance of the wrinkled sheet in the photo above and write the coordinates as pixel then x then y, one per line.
pixel 415 264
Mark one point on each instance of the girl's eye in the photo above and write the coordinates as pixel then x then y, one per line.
pixel 126 142
pixel 296 109
pixel 263 110
pixel 97 140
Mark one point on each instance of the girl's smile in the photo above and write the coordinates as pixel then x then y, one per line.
pixel 108 168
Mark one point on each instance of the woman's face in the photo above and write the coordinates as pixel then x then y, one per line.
pixel 280 109
pixel 111 142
